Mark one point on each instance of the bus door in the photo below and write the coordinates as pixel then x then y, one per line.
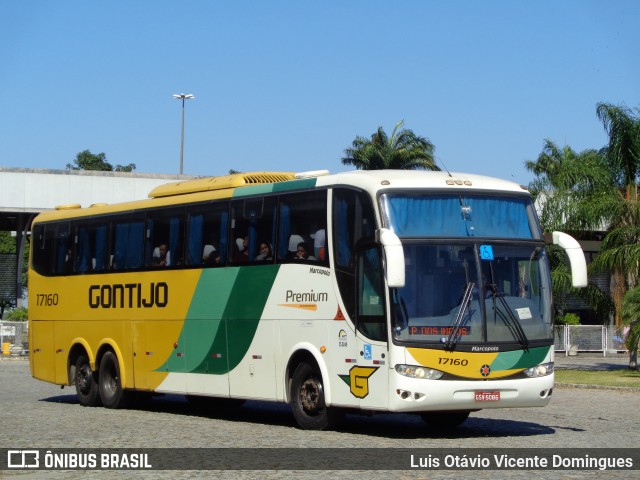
pixel 371 379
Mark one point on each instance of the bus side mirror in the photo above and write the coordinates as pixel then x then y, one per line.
pixel 576 258
pixel 394 255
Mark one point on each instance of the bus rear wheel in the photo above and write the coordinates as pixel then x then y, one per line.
pixel 445 419
pixel 111 392
pixel 86 383
pixel 307 400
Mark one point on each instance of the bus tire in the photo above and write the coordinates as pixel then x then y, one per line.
pixel 86 382
pixel 111 392
pixel 307 400
pixel 446 419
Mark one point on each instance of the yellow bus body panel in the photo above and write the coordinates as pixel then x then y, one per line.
pixel 142 337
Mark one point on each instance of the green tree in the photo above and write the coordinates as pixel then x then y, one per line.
pixel 631 318
pixel 86 160
pixel 620 209
pixel 597 191
pixel 403 150
pixel 19 314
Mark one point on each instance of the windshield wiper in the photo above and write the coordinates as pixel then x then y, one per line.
pixel 510 320
pixel 460 320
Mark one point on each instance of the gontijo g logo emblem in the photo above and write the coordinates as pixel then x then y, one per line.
pixel 358 380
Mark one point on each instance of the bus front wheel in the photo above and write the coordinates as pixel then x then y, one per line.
pixel 307 400
pixel 86 383
pixel 111 392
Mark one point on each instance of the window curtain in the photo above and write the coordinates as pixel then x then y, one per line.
pixel 101 248
pixel 344 242
pixel 84 252
pixel 120 246
pixel 174 241
pixel 195 244
pixel 453 216
pixel 284 230
pixel 134 245
pixel 149 246
pixel 128 245
pixel 224 225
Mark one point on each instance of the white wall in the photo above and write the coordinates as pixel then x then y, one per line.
pixel 30 190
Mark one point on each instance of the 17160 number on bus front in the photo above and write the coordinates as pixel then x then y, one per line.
pixel 453 361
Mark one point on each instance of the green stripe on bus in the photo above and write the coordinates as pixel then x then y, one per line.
pixel 519 359
pixel 222 319
pixel 253 190
pixel 275 187
pixel 295 185
pixel 244 308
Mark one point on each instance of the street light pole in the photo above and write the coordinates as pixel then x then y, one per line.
pixel 182 97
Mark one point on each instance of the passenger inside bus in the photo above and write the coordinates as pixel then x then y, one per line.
pixel 241 250
pixel 319 242
pixel 161 256
pixel 266 253
pixel 302 252
pixel 210 256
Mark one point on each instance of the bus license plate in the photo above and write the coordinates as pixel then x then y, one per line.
pixel 487 396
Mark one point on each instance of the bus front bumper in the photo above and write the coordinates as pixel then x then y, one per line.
pixel 420 395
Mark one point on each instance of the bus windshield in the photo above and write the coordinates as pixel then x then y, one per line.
pixel 473 293
pixel 474 269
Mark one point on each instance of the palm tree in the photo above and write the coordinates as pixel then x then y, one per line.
pixel 623 151
pixel 404 150
pixel 620 253
pixel 597 191
pixel 569 181
pixel 631 318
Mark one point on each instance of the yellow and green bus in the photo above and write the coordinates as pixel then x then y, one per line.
pixel 379 291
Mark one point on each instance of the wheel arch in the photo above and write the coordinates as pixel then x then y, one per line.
pixel 306 353
pixel 79 346
pixel 109 345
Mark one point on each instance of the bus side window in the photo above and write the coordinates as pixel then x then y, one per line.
pixel 207 235
pixel 43 249
pixel 353 222
pixel 303 219
pixel 100 239
pixel 127 244
pixel 253 222
pixel 83 250
pixel 371 298
pixel 64 249
pixel 164 236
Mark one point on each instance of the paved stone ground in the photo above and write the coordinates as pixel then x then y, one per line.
pixel 40 415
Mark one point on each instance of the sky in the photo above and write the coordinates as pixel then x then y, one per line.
pixel 288 85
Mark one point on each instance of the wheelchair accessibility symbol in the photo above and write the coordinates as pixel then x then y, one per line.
pixel 486 252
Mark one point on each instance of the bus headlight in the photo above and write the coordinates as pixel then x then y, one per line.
pixel 414 371
pixel 539 370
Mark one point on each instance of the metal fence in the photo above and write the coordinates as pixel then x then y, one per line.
pixel 572 339
pixel 14 338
